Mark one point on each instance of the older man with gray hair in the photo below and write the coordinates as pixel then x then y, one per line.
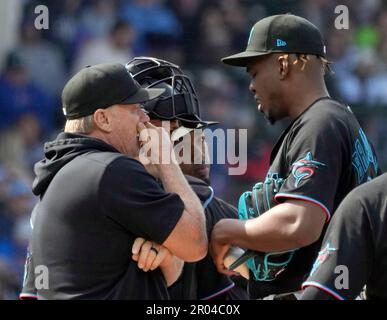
pixel 96 198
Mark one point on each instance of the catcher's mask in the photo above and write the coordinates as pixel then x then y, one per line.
pixel 265 266
pixel 178 102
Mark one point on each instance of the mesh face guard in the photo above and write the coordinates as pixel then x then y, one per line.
pixel 179 101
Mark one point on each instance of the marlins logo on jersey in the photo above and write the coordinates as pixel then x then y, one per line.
pixel 304 168
pixel 322 257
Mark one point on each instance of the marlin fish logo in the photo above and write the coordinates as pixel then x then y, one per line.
pixel 322 257
pixel 304 168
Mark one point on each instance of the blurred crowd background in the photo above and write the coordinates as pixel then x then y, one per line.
pixel 194 34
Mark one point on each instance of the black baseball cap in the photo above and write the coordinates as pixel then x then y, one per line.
pixel 102 86
pixel 280 33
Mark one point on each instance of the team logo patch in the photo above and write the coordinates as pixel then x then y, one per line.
pixel 322 257
pixel 304 168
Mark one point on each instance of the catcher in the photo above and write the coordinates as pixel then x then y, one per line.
pixel 178 108
pixel 318 159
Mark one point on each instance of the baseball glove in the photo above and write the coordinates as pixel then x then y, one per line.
pixel 265 266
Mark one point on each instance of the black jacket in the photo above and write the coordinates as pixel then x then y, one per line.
pixel 93 203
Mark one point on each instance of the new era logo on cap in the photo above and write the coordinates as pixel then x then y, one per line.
pixel 281 43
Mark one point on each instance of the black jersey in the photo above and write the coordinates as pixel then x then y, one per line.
pixel 94 202
pixel 322 156
pixel 354 250
pixel 201 280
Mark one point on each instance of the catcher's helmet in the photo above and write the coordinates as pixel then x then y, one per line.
pixel 179 101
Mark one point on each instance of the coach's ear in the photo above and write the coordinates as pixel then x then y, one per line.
pixel 103 120
pixel 283 66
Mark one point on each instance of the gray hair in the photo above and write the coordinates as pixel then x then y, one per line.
pixel 83 125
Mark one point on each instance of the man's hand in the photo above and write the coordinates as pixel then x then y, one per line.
pixel 156 146
pixel 219 248
pixel 188 240
pixel 150 255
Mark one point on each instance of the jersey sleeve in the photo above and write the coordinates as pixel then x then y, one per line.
pixel 345 261
pixel 28 291
pixel 315 154
pixel 131 197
